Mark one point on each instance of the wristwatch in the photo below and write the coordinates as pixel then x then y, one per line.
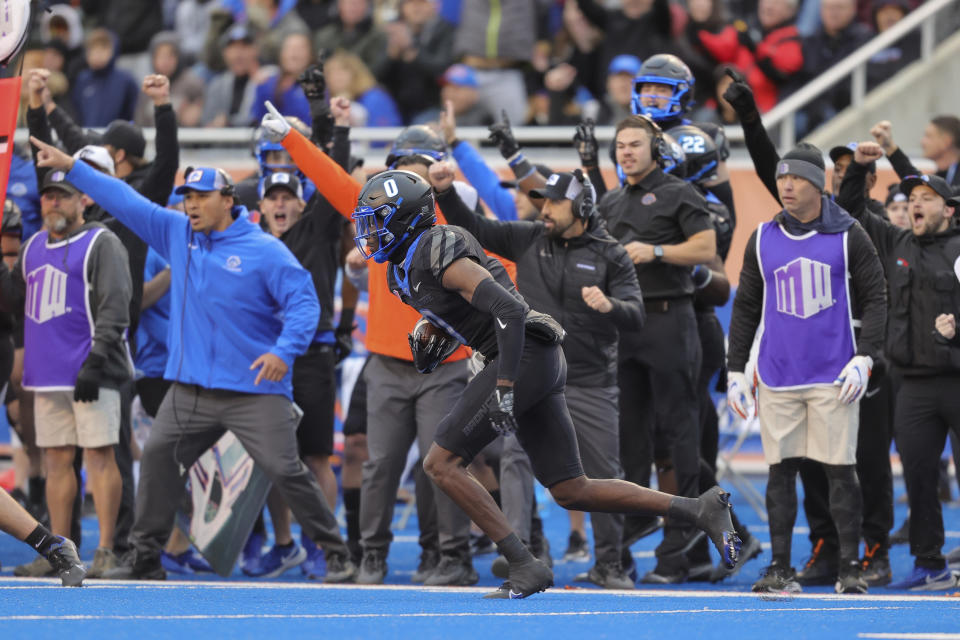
pixel 657 253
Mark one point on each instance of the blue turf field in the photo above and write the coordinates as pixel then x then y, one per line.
pixel 291 606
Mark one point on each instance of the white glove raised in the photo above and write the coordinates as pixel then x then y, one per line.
pixel 739 394
pixel 854 378
pixel 275 126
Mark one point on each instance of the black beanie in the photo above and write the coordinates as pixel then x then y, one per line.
pixel 804 161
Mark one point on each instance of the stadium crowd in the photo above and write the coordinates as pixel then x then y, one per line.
pixel 216 303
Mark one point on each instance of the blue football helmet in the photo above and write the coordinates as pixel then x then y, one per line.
pixel 665 69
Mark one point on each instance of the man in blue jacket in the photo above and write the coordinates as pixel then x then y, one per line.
pixel 241 310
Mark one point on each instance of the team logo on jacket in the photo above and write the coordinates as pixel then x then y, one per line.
pixel 803 288
pixel 46 294
pixel 233 264
pixel 648 198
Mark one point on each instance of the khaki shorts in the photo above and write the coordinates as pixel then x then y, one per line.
pixel 808 423
pixel 61 422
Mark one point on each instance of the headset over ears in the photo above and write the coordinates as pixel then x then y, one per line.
pixel 583 204
pixel 228 188
pixel 658 144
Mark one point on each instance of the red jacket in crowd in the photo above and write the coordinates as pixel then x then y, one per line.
pixel 767 65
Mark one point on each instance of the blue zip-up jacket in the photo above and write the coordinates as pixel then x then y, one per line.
pixel 246 294
pixel 485 180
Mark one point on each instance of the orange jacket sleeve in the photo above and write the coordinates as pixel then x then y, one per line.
pixel 333 183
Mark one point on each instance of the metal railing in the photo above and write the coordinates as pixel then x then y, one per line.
pixel 853 66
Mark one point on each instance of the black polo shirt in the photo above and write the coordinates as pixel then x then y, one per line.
pixel 661 209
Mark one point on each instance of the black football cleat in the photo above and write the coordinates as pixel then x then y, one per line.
pixel 526 579
pixel 713 517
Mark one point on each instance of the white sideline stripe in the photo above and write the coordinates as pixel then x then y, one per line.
pixel 465 614
pixel 912 636
pixel 613 593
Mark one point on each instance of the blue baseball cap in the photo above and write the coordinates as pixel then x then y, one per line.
pixel 203 179
pixel 625 63
pixel 461 75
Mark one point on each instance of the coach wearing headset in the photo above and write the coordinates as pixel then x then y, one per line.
pixel 241 309
pixel 665 228
pixel 568 266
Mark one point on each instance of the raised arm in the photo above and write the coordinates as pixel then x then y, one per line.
pixel 158 183
pixel 332 180
pixel 151 222
pixel 852 197
pixel 762 150
pixel 882 132
pixel 508 239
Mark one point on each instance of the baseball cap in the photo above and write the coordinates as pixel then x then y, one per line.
pixel 848 150
pixel 894 195
pixel 938 184
pixel 57 180
pixel 287 181
pixel 125 135
pixel 236 33
pixel 203 179
pixel 460 75
pixel 98 157
pixel 625 63
pixel 560 186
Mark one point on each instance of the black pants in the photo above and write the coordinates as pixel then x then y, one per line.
pixel 873 470
pixel 124 457
pixel 151 392
pixel 714 352
pixel 544 427
pixel 659 413
pixel 927 409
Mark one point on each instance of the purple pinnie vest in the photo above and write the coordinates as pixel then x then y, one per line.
pixel 807 328
pixel 58 322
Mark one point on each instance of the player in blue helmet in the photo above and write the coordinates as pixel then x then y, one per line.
pixel 420 140
pixel 663 91
pixel 272 157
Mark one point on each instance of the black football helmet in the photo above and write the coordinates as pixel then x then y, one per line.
pixel 670 156
pixel 700 151
pixel 668 69
pixel 419 140
pixel 394 206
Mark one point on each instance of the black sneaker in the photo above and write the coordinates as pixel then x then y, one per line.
pixel 136 566
pixel 850 578
pixel 876 565
pixel 577 549
pixel 429 559
pixel 453 571
pixel 609 575
pixel 63 558
pixel 526 579
pixel 713 518
pixel 373 568
pixel 777 579
pixel 821 567
pixel 901 535
pixel 340 568
pixel 750 550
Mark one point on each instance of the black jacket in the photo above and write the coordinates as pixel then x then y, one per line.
pixel 922 283
pixel 550 276
pixel 867 290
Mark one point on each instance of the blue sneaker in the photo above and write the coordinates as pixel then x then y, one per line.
pixel 315 566
pixel 186 563
pixel 251 555
pixel 278 560
pixel 923 579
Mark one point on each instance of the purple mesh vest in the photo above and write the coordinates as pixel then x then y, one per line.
pixel 806 333
pixel 58 321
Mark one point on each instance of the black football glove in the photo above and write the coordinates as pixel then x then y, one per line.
pixel 343 343
pixel 740 96
pixel 501 410
pixel 87 387
pixel 313 83
pixel 502 136
pixel 585 142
